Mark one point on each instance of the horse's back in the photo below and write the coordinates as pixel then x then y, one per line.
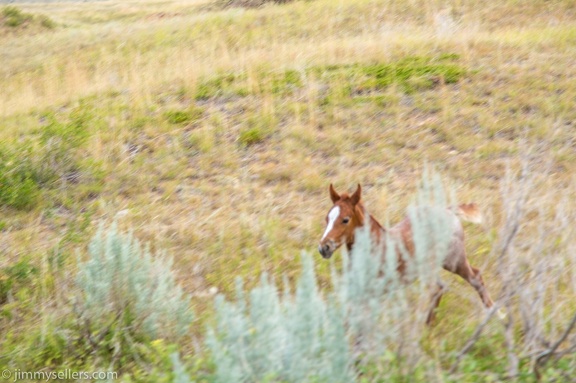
pixel 439 221
pixel 436 230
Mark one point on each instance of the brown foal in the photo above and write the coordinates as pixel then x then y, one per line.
pixel 348 214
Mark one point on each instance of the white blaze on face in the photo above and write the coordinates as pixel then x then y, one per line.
pixel 332 216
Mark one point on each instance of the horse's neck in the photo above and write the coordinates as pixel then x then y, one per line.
pixel 377 231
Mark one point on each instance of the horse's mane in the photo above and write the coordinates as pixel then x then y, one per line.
pixel 360 205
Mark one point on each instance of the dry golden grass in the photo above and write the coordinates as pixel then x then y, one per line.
pixel 224 208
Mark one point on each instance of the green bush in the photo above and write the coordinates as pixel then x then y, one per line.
pixel 19 188
pixel 59 145
pixel 14 17
pixel 46 22
pixel 38 162
pixel 14 275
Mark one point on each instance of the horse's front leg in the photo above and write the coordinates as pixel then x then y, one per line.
pixel 435 302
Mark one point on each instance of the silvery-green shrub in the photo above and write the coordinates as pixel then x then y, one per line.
pixel 178 370
pixel 122 279
pixel 287 337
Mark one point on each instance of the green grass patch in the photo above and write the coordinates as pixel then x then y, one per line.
pixel 49 158
pixel 183 117
pixel 414 73
pixel 14 19
pixel 285 82
pixel 60 142
pixel 256 129
pixel 222 85
pixel 46 22
pixel 199 141
pixel 14 275
pixel 19 188
pixel 410 74
pixel 251 135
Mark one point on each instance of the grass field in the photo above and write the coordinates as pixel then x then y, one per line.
pixel 213 133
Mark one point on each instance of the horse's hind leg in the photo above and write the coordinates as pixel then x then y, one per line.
pixel 438 292
pixel 472 275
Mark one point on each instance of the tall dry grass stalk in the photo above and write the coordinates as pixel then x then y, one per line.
pixel 535 267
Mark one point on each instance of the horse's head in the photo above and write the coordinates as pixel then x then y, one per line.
pixel 342 220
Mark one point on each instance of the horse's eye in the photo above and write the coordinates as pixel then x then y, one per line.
pixel 346 220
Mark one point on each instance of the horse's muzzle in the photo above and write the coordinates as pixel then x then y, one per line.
pixel 325 250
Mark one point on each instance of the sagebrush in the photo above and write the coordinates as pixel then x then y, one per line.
pixel 127 294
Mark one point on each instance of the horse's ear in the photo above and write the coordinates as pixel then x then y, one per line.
pixel 355 198
pixel 333 195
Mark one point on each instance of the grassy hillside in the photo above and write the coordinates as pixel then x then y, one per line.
pixel 213 133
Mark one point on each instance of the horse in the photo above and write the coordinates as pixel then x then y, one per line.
pixel 348 214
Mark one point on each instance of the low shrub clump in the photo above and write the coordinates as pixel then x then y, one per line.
pixel 19 186
pixel 14 19
pixel 128 296
pixel 52 158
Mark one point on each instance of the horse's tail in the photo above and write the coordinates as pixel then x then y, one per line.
pixel 469 212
